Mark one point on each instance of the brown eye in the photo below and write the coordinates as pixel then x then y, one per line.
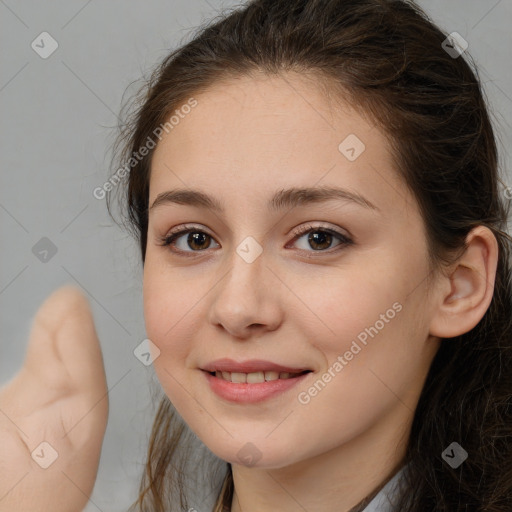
pixel 320 239
pixel 196 240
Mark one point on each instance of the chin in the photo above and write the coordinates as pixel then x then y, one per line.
pixel 261 455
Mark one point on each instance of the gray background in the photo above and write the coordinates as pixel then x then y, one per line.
pixel 57 125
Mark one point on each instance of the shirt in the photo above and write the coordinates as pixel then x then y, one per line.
pixel 382 502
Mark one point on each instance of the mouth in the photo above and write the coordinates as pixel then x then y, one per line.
pixel 255 377
pixel 253 387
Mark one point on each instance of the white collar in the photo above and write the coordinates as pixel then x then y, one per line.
pixel 382 502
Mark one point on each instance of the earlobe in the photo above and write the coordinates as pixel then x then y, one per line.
pixel 470 286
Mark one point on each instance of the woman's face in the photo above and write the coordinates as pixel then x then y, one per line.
pixel 345 298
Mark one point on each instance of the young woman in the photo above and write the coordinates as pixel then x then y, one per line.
pixel 327 284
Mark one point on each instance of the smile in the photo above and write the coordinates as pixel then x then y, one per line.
pixel 252 387
pixel 255 377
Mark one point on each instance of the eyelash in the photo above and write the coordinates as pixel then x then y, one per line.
pixel 169 239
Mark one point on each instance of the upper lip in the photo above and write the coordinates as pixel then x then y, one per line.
pixel 249 366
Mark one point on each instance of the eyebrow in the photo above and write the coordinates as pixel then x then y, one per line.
pixel 285 198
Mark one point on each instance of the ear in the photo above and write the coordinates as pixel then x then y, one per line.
pixel 466 292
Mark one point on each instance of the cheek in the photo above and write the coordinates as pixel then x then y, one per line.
pixel 167 308
pixel 374 356
pixel 347 307
pixel 165 315
pixel 369 321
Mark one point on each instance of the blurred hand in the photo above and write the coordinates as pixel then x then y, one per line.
pixel 58 398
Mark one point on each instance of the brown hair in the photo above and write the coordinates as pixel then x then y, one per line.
pixel 387 56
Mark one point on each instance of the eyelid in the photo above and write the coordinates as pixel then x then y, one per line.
pixel 320 227
pixel 185 227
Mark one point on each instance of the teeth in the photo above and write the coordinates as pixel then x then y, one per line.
pixel 238 377
pixel 253 378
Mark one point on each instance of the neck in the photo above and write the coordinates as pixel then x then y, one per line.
pixel 342 480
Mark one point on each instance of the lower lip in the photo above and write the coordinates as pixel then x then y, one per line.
pixel 250 393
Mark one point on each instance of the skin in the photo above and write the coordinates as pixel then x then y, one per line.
pixel 246 139
pixel 59 397
pixel 350 438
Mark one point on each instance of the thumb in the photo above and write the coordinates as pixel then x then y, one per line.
pixel 63 348
pixel 63 355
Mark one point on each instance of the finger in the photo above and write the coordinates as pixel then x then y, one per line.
pixel 63 349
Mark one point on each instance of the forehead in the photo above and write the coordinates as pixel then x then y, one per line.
pixel 258 134
pixel 245 113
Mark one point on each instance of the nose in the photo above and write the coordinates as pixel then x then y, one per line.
pixel 247 298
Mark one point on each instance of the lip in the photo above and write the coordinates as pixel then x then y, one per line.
pixel 250 393
pixel 249 366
